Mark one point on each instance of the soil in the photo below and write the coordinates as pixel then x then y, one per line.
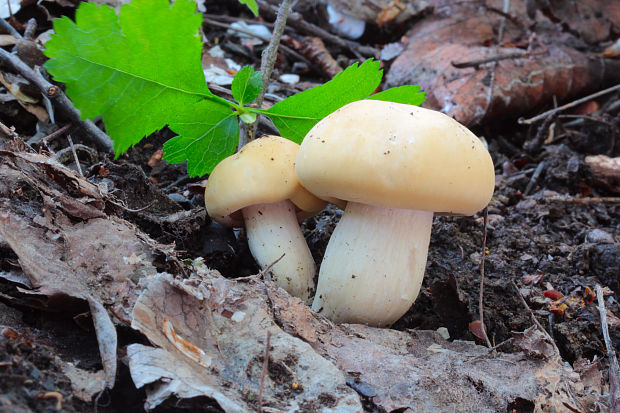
pixel 551 230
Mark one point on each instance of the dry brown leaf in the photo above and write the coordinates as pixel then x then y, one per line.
pixel 395 370
pixel 593 20
pixel 84 383
pixel 64 245
pixel 223 328
pixel 461 32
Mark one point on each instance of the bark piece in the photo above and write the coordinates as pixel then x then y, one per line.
pixel 211 337
pixel 605 171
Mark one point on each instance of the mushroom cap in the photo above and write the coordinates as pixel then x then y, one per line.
pixel 262 172
pixel 396 156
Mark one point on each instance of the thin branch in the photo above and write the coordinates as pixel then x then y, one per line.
pixel 284 48
pixel 75 157
pixel 264 373
pixel 10 29
pixel 507 16
pixel 568 105
pixel 481 292
pixel 8 132
pixel 297 21
pixel 534 320
pixel 266 66
pixel 614 369
pixel 268 58
pixel 541 166
pixel 584 200
pixel 496 58
pixel 502 21
pixel 93 133
pixel 534 144
pixel 37 139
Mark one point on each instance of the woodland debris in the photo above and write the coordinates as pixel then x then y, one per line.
pixel 50 227
pixel 382 12
pixel 605 171
pixel 93 133
pixel 202 310
pixel 614 369
pixel 461 32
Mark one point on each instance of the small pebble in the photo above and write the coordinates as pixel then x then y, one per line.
pixel 443 332
pixel 598 236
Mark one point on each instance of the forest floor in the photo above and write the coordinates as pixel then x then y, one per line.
pixel 552 236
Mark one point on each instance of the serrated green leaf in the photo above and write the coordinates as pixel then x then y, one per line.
pixel 408 94
pixel 246 85
pixel 296 115
pixel 138 69
pixel 252 5
pixel 209 132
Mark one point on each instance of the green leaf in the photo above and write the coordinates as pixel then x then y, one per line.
pixel 138 69
pixel 408 94
pixel 297 114
pixel 251 5
pixel 248 117
pixel 246 85
pixel 209 132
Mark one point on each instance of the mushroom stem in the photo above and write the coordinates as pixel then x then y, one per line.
pixel 273 230
pixel 374 264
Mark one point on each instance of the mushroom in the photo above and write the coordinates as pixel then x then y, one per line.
pixel 257 188
pixel 395 164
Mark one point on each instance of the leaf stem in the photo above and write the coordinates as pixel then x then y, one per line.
pixel 267 62
pixel 222 101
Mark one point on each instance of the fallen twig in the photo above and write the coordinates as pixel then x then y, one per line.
pixel 264 373
pixel 297 20
pixel 534 320
pixel 147 206
pixel 93 133
pixel 614 369
pixel 75 157
pixel 10 29
pixel 584 200
pixel 541 166
pixel 37 139
pixel 507 16
pixel 268 59
pixel 481 292
pixel 496 58
pixel 534 144
pixel 6 131
pixel 284 48
pixel 568 105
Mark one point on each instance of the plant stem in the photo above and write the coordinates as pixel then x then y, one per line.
pixel 266 67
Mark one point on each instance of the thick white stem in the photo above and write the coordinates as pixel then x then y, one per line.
pixel 374 264
pixel 273 230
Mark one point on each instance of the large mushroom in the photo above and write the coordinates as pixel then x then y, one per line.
pixel 257 188
pixel 396 165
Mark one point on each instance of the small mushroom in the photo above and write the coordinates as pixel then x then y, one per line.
pixel 395 164
pixel 257 188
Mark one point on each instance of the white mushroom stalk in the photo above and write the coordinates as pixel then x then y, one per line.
pixel 385 250
pixel 257 188
pixel 274 236
pixel 395 164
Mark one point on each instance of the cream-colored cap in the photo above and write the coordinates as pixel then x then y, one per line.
pixel 262 172
pixel 396 156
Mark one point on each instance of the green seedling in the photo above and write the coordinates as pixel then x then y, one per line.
pixel 141 70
